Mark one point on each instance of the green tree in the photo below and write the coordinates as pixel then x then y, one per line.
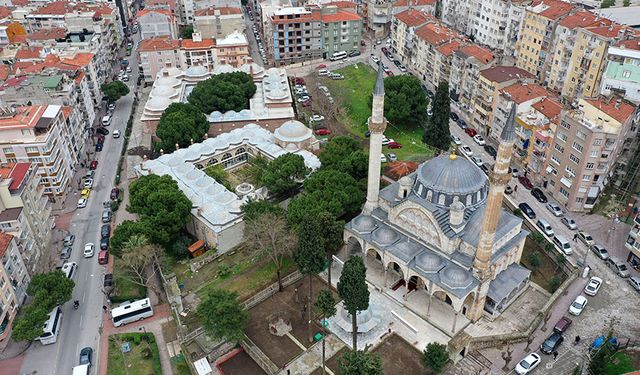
pixel 435 356
pixel 560 261
pixel 222 315
pixel 28 325
pixel 534 260
pixel 337 150
pixel 123 232
pixel 284 173
pixel 114 90
pixel 253 209
pixel 340 186
pixel 311 204
pixel 405 103
pixel 626 3
pixel 537 237
pixel 187 32
pixel 355 165
pixel 139 258
pixel 601 357
pixel 352 288
pixel 223 92
pixel 159 201
pixel 182 124
pixel 179 248
pixel 218 173
pixel 554 283
pixel 437 132
pixel 325 306
pixel 355 362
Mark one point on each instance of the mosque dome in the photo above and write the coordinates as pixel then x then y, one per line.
pixel 364 223
pixel 384 236
pixel 196 71
pixel 455 277
pixel 161 90
pixel 158 103
pixel 292 131
pixel 429 262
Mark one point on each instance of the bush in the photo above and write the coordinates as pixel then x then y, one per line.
pixel 224 271
pixel 179 249
pixel 146 353
pixel 517 212
pixel 555 283
pixel 435 356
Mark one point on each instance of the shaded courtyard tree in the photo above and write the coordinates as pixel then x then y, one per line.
pixel 252 209
pixel 337 150
pixel 180 123
pixel 223 317
pixel 114 90
pixel 355 165
pixel 340 186
pixel 325 306
pixel 123 232
pixel 435 356
pixel 352 288
pixel 405 103
pixel 312 204
pixel 355 362
pixel 269 234
pixel 140 258
pixel 437 132
pixel 223 92
pixel 284 173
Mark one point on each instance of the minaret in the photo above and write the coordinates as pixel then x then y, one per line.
pixel 377 124
pixel 498 179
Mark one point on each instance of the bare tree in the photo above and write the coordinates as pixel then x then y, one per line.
pixel 507 356
pixel 545 321
pixel 140 258
pixel 269 234
pixel 530 339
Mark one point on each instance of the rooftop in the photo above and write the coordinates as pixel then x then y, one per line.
pixel 629 16
pixel 14 171
pixel 482 54
pixel 435 34
pixel 191 44
pixel 58 8
pixel 28 53
pixel 29 117
pixel 523 92
pixel 342 4
pixel 449 48
pixel 158 44
pixel 413 17
pixel 341 16
pixel 80 60
pixel 607 30
pixel 505 73
pixel 618 109
pixel 550 108
pixel 47 34
pixel 5 240
pixel 551 9
pixel 144 12
pixel 235 38
pixel 220 10
pixel 415 3
pixel 579 19
pixel 633 44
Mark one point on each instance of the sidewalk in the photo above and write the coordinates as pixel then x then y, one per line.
pixel 311 359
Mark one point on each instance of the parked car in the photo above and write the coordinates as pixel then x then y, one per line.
pixel 354 53
pixel 569 223
pixel 403 68
pixel 466 150
pixel 321 66
pixel 476 160
pixel 316 118
pixel 585 238
pixel 551 343
pixel 114 193
pixel 105 231
pixel 323 131
pixel 103 257
pixel 85 356
pixel 103 131
pixel 491 151
pixel 635 282
pixel 116 134
pixel 389 73
pixel 104 244
pixel 323 72
pixel 471 132
pixel 394 145
pixel 384 50
pixel 618 266
pixel 539 195
pixel 88 250
pixel 84 193
pixel 383 158
pixel 600 251
pixel 578 305
pixel 527 210
pixel 375 59
pixel 112 106
pixel 462 124
pixel 527 365
pixel 479 140
pixel 93 165
pixel 555 209
pixel 593 286
pixel 453 116
pixel 66 252
pixel 562 325
pixel 545 227
pixel 525 182
pixel 98 147
pixel 82 203
pixel 455 139
pixel 69 240
pixel 87 183
pixel 392 157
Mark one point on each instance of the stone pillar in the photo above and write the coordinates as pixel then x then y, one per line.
pixel 429 304
pixel 406 289
pixel 385 276
pixel 455 320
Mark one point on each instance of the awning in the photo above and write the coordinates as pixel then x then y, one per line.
pixel 566 182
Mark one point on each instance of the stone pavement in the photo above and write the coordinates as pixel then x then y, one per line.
pixel 311 359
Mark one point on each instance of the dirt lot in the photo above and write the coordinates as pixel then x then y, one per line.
pixel 241 364
pixel 399 357
pixel 332 363
pixel 282 349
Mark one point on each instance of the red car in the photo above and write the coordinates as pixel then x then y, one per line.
pixel 394 145
pixel 299 81
pixel 306 103
pixel 384 50
pixel 323 132
pixel 114 193
pixel 525 182
pixel 321 66
pixel 471 132
pixel 93 165
pixel 390 73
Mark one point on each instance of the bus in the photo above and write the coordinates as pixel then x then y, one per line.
pixel 51 327
pixel 338 56
pixel 131 312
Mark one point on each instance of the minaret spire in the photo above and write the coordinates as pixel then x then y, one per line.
pixel 498 179
pixel 377 124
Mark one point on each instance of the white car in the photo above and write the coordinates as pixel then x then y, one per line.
pixel 386 141
pixel 477 161
pixel 456 140
pixel 316 118
pixel 116 134
pixel 88 183
pixel 569 223
pixel 555 209
pixel 466 150
pixel 392 157
pixel 479 140
pixel 578 305
pixel 375 59
pixel 383 158
pixel 88 250
pixel 82 202
pixel 527 365
pixel 323 72
pixel 593 286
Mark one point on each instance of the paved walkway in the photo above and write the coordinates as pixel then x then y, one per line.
pixel 311 359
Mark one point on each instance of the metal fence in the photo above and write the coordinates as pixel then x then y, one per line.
pixel 257 355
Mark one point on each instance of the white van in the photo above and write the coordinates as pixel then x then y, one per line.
pixel 81 370
pixel 106 120
pixel 338 56
pixel 545 227
pixel 562 244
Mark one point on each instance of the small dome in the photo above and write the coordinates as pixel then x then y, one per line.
pixel 364 223
pixel 385 236
pixel 406 181
pixel 167 81
pixel 292 147
pixel 196 71
pixel 158 103
pixel 406 250
pixel 223 68
pixel 292 130
pixel 163 91
pixel 457 206
pixel 455 277
pixel 429 262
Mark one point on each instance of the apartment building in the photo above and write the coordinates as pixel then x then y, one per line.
pixel 232 50
pixel 633 242
pixel 523 96
pixel 25 212
pixel 156 23
pixel 186 12
pixel 497 23
pixel 537 35
pixel 435 44
pixel 586 147
pixel 490 82
pixel 466 64
pixel 48 136
pixel 296 33
pixel 11 32
pixel 218 22
pixel 545 116
pixel 341 30
pixel 622 72
pixel 157 53
pixel 14 281
pixel 379 13
pixel 403 30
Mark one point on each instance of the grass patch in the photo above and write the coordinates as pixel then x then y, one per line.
pixel 354 94
pixel 548 275
pixel 179 365
pixel 125 289
pixel 621 363
pixel 143 359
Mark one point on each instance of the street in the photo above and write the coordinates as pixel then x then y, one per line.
pixel 82 327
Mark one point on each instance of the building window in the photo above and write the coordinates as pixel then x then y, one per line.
pixel 562 136
pixel 581 135
pixel 558 148
pixel 7 150
pixel 570 170
pixel 579 200
pixel 626 74
pixel 564 192
pixel 565 125
pixel 555 159
pixel 586 177
pixel 589 166
pixel 577 146
pixel 597 142
pixel 574 159
pixel 594 154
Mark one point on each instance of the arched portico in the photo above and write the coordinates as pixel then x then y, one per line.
pixel 352 246
pixel 394 275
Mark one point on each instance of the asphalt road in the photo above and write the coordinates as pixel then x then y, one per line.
pixel 81 328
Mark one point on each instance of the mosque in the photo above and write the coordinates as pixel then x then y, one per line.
pixel 440 236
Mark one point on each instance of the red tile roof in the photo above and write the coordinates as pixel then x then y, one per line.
pixel 342 4
pixel 413 18
pixel 14 81
pixel 478 52
pixel 48 34
pixel 579 19
pixel 4 12
pixel 505 73
pixel 340 16
pixel 25 117
pixel 80 59
pixel 53 8
pixel 633 44
pixel 16 172
pixel 435 34
pixel 158 44
pixel 225 11
pixel 522 92
pixel 614 107
pixel 28 53
pixel 166 12
pixel 190 44
pixel 607 31
pixel 555 8
pixel 5 240
pixel 448 48
pixel 19 3
pixel 417 3
pixel 4 71
pixel 550 108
